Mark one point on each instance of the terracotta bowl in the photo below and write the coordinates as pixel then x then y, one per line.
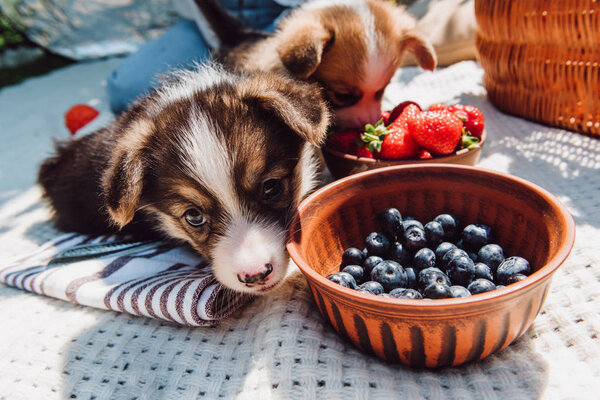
pixel 341 164
pixel 526 220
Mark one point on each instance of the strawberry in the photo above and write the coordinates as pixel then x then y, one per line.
pixel 344 141
pixel 409 112
pixel 391 143
pixel 472 118
pixel 438 107
pixel 436 131
pixel 79 116
pixel 424 155
pixel 395 113
pixel 385 116
pixel 398 145
pixel 362 151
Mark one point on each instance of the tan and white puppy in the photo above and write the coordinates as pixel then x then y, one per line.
pixel 214 159
pixel 351 48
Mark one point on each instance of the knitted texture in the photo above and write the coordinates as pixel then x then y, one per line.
pixel 279 347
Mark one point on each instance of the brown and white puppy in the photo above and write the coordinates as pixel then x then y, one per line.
pixel 214 159
pixel 351 47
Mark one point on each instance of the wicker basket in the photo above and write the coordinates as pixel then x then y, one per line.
pixel 542 59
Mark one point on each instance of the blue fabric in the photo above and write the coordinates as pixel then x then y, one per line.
pixel 179 47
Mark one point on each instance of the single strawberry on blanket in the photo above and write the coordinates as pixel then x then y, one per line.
pixel 79 116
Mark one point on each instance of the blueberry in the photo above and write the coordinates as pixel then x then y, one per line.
pixel 472 256
pixel 430 276
pixel 390 221
pixel 450 255
pixel 512 266
pixel 403 293
pixel 390 274
pixel 434 233
pixel 411 221
pixel 370 263
pixel 371 287
pixel 450 225
pixel 424 258
pixel 411 278
pixel 515 278
pixel 398 253
pixel 352 256
pixel 492 255
pixel 475 236
pixel 356 271
pixel 500 287
pixel 344 279
pixel 481 286
pixel 481 270
pixel 414 239
pixel 442 249
pixel 384 295
pixel 437 291
pixel 377 244
pixel 460 270
pixel 459 291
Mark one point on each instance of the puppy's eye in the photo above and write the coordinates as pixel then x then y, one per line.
pixel 271 189
pixel 345 99
pixel 194 217
pixel 379 94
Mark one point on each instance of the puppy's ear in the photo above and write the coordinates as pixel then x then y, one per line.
pixel 421 48
pixel 301 46
pixel 122 182
pixel 300 106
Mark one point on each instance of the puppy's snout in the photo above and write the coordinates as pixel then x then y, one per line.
pixel 256 278
pixel 357 116
pixel 369 115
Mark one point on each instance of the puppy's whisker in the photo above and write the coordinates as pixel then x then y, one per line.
pixel 146 206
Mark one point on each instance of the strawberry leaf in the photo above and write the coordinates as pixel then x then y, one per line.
pixel 374 146
pixel 368 137
pixel 374 135
pixel 469 142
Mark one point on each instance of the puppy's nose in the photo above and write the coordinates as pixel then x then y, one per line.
pixel 257 278
pixel 362 119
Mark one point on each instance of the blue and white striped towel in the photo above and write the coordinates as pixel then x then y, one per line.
pixel 145 278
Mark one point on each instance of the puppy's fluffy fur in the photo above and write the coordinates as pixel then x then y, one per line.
pixel 350 47
pixel 215 159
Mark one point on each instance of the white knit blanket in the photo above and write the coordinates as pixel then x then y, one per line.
pixel 145 278
pixel 279 347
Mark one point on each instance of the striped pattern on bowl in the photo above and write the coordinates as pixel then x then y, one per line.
pixel 526 221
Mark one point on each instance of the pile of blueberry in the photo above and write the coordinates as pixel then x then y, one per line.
pixel 409 260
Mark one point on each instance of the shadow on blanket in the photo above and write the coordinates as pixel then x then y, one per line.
pixel 277 347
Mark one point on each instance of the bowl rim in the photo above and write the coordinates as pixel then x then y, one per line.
pixel 459 305
pixel 442 159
